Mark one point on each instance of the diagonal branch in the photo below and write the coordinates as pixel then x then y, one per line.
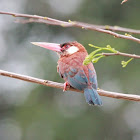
pixel 112 28
pixel 61 86
pixel 105 27
pixel 51 21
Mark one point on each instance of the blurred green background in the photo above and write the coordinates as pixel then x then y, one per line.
pixel 35 112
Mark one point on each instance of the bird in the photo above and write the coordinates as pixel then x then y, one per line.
pixel 70 67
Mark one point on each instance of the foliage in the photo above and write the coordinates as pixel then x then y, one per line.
pixel 95 56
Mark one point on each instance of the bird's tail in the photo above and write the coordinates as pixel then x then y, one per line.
pixel 92 97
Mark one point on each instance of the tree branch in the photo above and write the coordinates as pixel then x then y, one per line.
pixel 124 1
pixel 105 27
pixel 51 21
pixel 61 86
pixel 122 54
pixel 113 28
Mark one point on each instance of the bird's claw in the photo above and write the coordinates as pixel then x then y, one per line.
pixel 66 85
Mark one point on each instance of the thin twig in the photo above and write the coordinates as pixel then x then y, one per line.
pixel 105 27
pixel 52 21
pixel 61 86
pixel 112 28
pixel 122 54
pixel 124 1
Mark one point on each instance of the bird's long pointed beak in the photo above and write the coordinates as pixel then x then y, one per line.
pixel 51 46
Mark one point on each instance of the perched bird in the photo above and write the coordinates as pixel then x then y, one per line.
pixel 71 69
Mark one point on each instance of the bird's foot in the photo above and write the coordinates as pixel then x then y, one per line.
pixel 66 85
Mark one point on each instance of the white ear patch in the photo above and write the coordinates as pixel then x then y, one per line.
pixel 72 49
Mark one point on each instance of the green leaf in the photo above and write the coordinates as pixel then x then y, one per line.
pixel 89 58
pixel 91 45
pixel 95 56
pixel 95 60
pixel 124 63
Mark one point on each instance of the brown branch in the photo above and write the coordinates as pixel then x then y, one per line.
pixel 47 20
pixel 112 28
pixel 61 86
pixel 122 54
pixel 105 27
pixel 124 1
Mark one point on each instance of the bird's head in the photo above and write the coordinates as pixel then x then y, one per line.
pixel 65 49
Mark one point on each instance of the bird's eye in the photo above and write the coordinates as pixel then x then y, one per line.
pixel 67 46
